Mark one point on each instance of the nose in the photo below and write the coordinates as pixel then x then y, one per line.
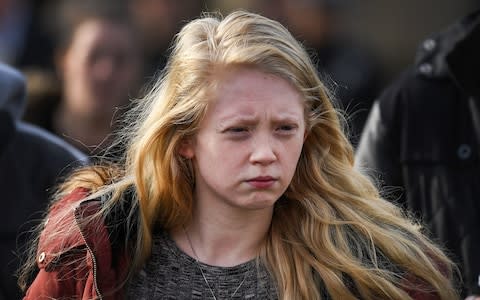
pixel 263 151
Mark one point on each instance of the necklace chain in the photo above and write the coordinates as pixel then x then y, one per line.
pixel 203 274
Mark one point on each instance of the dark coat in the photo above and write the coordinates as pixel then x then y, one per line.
pixel 423 135
pixel 31 162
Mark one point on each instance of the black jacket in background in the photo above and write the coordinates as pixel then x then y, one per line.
pixel 423 135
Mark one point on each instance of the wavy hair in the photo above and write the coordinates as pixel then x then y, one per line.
pixel 331 232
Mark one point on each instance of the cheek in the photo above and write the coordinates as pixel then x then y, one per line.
pixel 219 157
pixel 75 60
pixel 76 74
pixel 292 154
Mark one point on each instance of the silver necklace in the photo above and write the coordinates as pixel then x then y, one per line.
pixel 203 274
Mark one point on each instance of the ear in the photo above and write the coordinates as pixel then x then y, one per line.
pixel 185 148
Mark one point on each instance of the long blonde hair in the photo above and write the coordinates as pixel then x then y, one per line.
pixel 331 231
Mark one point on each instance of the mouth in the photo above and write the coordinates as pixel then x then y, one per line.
pixel 262 182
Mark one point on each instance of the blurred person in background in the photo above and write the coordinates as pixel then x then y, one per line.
pixel 156 22
pixel 353 73
pixel 31 162
pixel 423 135
pixel 99 67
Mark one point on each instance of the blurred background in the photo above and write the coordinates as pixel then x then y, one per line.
pixel 394 29
pixel 391 30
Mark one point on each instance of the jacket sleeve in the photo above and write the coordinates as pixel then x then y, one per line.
pixel 379 152
pixel 376 154
pixel 57 284
pixel 48 285
pixel 61 258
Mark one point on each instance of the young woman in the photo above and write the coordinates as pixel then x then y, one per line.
pixel 238 182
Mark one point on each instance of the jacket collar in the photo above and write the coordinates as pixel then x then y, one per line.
pixel 453 53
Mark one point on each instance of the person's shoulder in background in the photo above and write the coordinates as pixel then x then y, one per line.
pixel 32 163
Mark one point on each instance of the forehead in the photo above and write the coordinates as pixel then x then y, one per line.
pixel 100 32
pixel 251 91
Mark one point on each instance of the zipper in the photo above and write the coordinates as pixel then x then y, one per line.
pixel 94 260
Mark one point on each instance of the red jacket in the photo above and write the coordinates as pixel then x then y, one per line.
pixel 89 242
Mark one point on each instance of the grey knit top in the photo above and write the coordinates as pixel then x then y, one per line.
pixel 172 274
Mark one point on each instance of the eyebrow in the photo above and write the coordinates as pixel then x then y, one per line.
pixel 235 118
pixel 287 117
pixel 252 119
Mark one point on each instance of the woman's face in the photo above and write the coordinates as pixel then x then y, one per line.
pixel 248 145
pixel 100 68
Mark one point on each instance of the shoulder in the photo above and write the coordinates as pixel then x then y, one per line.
pixel 78 223
pixel 412 93
pixel 433 55
pixel 33 150
pixel 74 253
pixel 48 143
pixel 12 85
pixel 62 232
pixel 429 80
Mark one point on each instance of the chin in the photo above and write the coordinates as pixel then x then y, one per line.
pixel 260 203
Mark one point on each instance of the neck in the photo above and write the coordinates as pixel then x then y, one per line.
pixel 223 239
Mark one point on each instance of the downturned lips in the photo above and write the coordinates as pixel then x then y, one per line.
pixel 262 182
